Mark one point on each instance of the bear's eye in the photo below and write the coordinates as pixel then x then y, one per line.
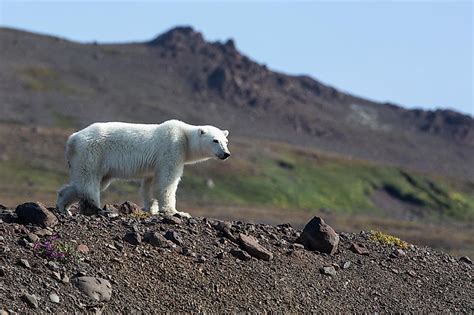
pixel 215 141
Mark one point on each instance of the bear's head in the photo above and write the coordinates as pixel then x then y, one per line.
pixel 213 142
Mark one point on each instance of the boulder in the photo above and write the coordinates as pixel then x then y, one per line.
pixel 174 237
pixel 133 238
pixel 466 259
pixel 31 300
pixel 328 270
pixel 319 236
pixel 251 245
pixel 129 207
pixel 36 213
pixel 155 239
pixel 95 288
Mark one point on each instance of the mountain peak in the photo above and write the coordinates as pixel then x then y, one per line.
pixel 183 35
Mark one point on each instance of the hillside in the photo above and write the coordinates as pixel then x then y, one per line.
pixel 134 263
pixel 300 147
pixel 47 81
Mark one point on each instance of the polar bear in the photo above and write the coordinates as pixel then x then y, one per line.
pixel 154 153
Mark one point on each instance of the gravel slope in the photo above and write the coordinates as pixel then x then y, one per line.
pixel 202 275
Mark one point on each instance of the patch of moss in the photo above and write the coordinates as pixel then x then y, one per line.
pixel 387 239
pixel 140 215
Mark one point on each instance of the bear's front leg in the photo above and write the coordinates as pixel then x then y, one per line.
pixel 167 185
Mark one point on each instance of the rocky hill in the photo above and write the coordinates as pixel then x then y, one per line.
pixel 48 81
pixel 122 260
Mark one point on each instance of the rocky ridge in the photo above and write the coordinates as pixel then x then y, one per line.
pixel 116 262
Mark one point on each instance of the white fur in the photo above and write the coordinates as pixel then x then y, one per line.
pixel 156 154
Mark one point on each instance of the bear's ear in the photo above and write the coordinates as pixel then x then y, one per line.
pixel 201 131
pixel 226 132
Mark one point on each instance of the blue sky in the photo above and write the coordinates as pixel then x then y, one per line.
pixel 416 54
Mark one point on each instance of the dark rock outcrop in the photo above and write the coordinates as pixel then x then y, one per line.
pixel 317 235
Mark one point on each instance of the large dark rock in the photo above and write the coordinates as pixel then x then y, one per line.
pixel 174 237
pixel 156 239
pixel 317 235
pixel 36 213
pixel 133 238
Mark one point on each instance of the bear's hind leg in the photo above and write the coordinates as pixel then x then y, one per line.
pixel 149 204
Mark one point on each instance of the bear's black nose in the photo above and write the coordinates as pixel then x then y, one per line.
pixel 225 155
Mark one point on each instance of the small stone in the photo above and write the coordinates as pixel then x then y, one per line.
pixel 3 312
pixel 346 265
pixel 317 235
pixel 109 208
pixel 57 275
pixel 82 248
pixel 220 255
pixel 33 238
pixel 43 232
pixel 201 259
pixel 296 246
pixel 155 239
pixel 2 272
pixel 411 273
pixel 52 265
pixel 133 238
pixel 65 279
pixel 251 245
pixel 118 245
pixel 36 213
pixel 222 226
pixel 466 259
pixel 24 263
pixel 328 270
pixel 240 254
pixel 172 220
pixel 23 242
pixel 398 253
pixel 53 297
pixel 359 248
pixel 174 237
pixel 31 300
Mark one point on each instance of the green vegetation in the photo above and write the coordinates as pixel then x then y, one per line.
pixel 280 177
pixel 290 180
pixel 41 78
pixel 62 121
pixel 387 239
pixel 52 248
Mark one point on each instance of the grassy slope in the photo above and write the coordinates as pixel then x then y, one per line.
pixel 272 175
pixel 286 178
